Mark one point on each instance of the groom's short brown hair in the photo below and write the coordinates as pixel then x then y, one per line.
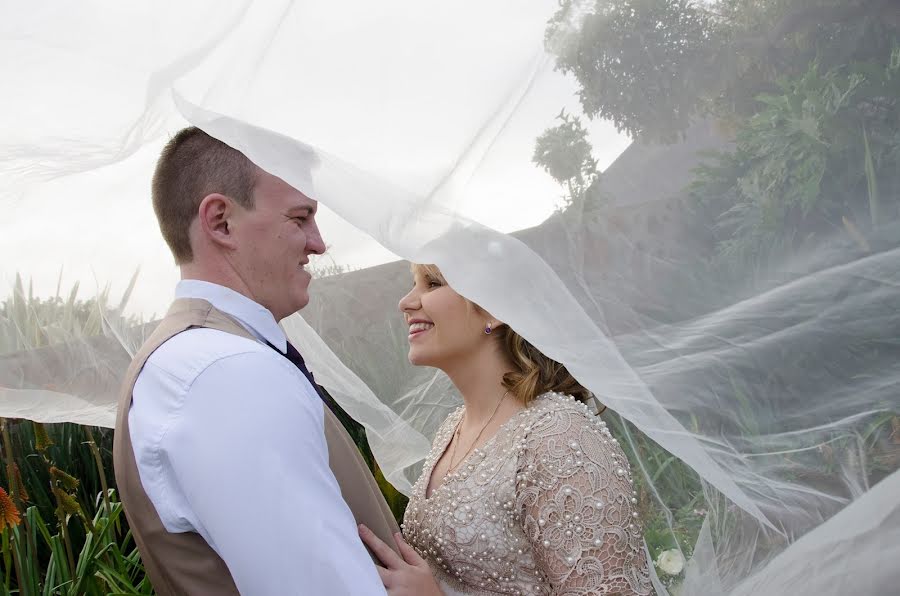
pixel 191 166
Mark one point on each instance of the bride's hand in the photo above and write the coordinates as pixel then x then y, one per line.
pixel 409 576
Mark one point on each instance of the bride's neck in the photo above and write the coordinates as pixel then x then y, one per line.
pixel 480 382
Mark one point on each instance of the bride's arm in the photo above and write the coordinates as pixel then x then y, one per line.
pixel 578 507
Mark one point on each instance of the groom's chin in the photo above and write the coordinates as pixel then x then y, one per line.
pixel 299 300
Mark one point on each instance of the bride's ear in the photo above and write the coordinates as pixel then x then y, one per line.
pixel 490 322
pixel 492 325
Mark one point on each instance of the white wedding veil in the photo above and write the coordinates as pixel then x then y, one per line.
pixel 759 401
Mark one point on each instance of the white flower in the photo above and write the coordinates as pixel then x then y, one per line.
pixel 670 562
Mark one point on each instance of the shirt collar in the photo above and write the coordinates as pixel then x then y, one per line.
pixel 257 319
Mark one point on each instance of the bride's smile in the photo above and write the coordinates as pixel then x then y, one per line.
pixel 417 327
pixel 445 329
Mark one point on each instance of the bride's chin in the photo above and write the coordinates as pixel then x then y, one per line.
pixel 417 359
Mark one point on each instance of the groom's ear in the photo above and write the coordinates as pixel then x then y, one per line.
pixel 215 215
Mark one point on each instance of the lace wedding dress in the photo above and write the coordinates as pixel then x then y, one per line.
pixel 546 506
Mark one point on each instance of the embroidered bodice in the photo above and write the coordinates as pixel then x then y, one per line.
pixel 546 506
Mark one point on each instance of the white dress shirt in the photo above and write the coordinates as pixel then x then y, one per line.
pixel 229 441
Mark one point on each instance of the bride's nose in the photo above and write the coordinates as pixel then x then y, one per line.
pixel 409 302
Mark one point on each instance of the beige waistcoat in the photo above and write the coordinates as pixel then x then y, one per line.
pixel 183 563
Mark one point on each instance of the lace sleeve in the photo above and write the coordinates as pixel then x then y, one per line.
pixel 577 506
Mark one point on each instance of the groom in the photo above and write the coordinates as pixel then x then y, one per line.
pixel 234 476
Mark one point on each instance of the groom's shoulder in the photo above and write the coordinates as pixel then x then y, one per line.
pixel 188 354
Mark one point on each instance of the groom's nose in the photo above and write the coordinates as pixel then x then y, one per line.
pixel 314 243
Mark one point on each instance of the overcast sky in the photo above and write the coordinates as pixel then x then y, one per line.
pixel 400 94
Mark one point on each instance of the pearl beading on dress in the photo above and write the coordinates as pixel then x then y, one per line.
pixel 546 506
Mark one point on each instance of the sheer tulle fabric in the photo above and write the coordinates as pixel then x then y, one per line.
pixel 411 124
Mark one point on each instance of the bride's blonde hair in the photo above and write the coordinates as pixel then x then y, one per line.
pixel 533 373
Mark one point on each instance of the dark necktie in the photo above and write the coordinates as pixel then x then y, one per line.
pixel 297 359
pixel 294 356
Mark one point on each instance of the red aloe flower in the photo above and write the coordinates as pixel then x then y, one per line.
pixel 9 514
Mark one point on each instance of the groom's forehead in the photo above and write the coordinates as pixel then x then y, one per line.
pixel 274 188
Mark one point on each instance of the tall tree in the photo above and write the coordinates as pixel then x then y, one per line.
pixel 651 66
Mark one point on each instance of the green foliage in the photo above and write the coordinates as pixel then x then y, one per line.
pixel 87 548
pixel 28 321
pixel 670 492
pixel 63 472
pixel 89 534
pixel 639 63
pixel 652 66
pixel 396 500
pixel 809 93
pixel 565 153
pixel 816 157
pixel 106 564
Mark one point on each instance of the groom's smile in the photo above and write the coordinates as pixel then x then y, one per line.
pixel 279 235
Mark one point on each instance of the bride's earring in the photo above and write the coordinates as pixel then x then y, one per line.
pixel 488 329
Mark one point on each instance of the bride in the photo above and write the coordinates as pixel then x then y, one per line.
pixel 525 491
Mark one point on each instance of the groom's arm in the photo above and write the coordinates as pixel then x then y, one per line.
pixel 250 458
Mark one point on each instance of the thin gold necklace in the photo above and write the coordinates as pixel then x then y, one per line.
pixel 469 450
